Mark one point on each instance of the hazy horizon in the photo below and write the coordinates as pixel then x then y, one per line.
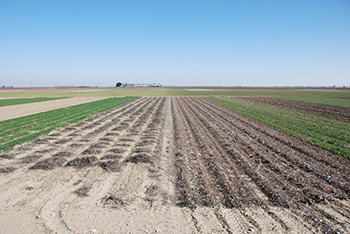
pixel 182 43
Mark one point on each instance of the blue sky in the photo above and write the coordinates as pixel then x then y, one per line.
pixel 192 42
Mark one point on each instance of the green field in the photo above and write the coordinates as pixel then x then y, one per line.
pixel 16 101
pixel 329 134
pixel 19 130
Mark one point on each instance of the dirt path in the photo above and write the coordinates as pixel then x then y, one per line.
pixel 171 165
pixel 15 111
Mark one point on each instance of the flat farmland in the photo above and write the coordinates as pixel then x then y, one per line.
pixel 175 165
pixel 16 111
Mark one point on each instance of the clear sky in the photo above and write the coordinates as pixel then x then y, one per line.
pixel 190 42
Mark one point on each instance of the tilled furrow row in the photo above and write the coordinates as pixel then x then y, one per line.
pixel 241 162
pixel 50 142
pixel 114 145
pixel 295 177
pixel 274 175
pixel 138 179
pixel 72 140
pixel 226 176
pixel 249 157
pixel 194 186
pixel 242 123
pixel 285 150
pixel 121 135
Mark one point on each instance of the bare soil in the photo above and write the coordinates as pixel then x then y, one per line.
pixel 172 165
pixel 341 97
pixel 323 110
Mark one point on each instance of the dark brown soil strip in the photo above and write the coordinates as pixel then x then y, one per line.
pixel 323 110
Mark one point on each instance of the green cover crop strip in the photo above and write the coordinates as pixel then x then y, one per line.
pixel 19 130
pixel 327 133
pixel 16 101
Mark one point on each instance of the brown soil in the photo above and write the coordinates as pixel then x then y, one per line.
pixel 323 110
pixel 192 167
pixel 341 97
pixel 223 159
pixel 8 156
pixel 140 158
pixel 82 162
pixel 49 164
pixel 111 166
pixel 7 169
pixel 31 158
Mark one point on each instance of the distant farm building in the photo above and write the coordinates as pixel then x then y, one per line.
pixel 119 84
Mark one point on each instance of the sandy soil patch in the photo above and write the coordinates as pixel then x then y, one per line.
pixel 15 111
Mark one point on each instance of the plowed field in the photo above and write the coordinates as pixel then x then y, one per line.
pixel 328 111
pixel 172 165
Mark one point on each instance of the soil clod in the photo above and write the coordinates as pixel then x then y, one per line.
pixel 6 170
pixel 111 166
pixel 7 156
pixel 49 164
pixel 82 162
pixel 31 158
pixel 140 158
pixel 113 201
pixel 83 191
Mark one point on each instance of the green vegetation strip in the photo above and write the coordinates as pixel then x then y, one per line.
pixel 327 133
pixel 16 101
pixel 17 131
